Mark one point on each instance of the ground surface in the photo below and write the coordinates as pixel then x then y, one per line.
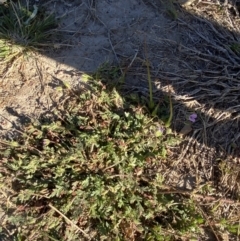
pixel 191 56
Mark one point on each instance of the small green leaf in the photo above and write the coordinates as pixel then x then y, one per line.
pixel 14 144
pixel 85 77
pixel 67 85
pixel 158 133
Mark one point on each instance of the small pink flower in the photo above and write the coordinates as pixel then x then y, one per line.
pixel 193 117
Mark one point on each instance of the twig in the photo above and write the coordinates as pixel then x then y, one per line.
pixel 209 223
pixel 70 222
pixel 190 142
pixel 134 57
pixel 197 53
pixel 219 48
pixel 110 41
pixel 199 196
pixel 169 121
